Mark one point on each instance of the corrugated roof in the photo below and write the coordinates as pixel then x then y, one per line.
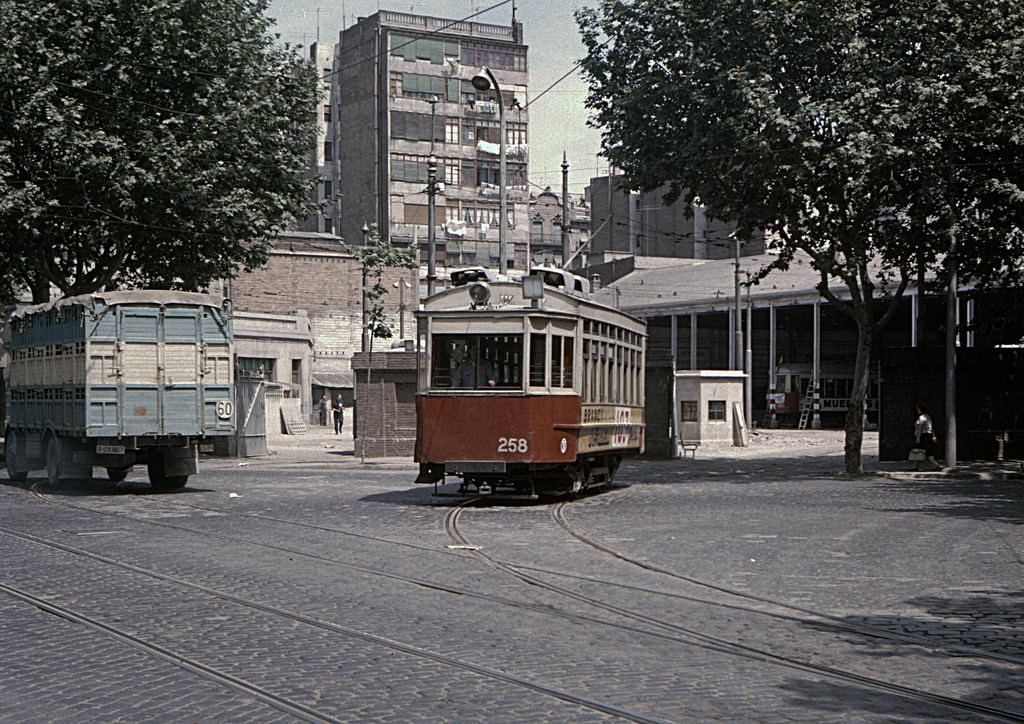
pixel 704 283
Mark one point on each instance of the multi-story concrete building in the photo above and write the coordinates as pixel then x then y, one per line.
pixel 324 157
pixel 399 88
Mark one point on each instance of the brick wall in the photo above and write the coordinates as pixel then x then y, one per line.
pixel 329 287
pixel 385 404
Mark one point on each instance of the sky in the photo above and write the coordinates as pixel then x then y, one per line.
pixel 557 120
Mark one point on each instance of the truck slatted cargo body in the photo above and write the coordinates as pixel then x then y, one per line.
pixel 117 379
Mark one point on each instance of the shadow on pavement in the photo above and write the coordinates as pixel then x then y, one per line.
pixel 986 619
pixel 1001 500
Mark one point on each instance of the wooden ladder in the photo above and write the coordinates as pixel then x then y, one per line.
pixel 805 407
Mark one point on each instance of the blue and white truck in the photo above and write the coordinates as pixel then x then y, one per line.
pixel 115 379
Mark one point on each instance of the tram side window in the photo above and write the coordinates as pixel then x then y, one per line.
pixel 561 361
pixel 537 356
pixel 476 361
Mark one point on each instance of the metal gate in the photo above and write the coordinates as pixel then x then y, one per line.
pixel 251 393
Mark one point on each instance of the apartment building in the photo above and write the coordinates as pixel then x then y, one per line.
pixel 629 223
pixel 399 88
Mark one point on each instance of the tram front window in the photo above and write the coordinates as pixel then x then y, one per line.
pixel 477 361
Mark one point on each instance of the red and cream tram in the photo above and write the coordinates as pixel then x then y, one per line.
pixel 526 387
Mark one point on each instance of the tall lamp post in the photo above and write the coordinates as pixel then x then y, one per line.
pixel 485 80
pixel 431 206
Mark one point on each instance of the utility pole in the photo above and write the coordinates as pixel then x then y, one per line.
pixel 431 206
pixel 738 329
pixel 565 209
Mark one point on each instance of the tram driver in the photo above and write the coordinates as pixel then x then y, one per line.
pixel 469 375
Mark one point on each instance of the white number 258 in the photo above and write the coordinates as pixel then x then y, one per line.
pixel 512 444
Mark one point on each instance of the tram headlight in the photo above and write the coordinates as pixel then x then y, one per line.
pixel 480 292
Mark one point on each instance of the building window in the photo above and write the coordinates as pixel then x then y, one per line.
pixel 515 134
pixel 408 168
pixel 451 131
pixel 327 114
pixel 328 189
pixel 515 174
pixel 469 173
pixel 451 173
pixel 259 365
pixel 688 410
pixel 412 48
pixel 493 55
pixel 418 214
pixel 416 126
pixel 427 87
pixel 328 150
pixel 296 371
pixel 716 410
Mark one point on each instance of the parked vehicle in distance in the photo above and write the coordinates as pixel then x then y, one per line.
pixel 527 388
pixel 115 379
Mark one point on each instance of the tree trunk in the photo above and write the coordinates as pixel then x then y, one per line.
pixel 40 290
pixel 858 398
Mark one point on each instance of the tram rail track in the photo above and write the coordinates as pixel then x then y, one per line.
pixel 648 625
pixel 289 706
pixel 816 617
pixel 307 713
pixel 727 646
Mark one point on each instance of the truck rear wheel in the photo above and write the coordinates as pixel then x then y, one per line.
pixel 159 480
pixel 116 475
pixel 14 456
pixel 54 464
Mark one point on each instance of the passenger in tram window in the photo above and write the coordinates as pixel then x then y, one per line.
pixel 468 375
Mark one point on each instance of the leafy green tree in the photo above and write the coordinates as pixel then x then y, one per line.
pixel 376 257
pixel 873 137
pixel 158 143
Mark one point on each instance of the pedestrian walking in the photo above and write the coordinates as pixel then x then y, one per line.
pixel 339 414
pixel 924 436
pixel 323 408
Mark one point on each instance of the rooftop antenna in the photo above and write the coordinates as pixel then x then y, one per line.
pixel 318 26
pixel 513 12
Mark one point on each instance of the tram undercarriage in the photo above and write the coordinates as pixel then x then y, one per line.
pixel 529 481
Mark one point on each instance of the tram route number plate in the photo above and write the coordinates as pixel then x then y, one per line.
pixel 110 449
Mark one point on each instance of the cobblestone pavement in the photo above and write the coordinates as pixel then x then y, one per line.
pixel 749 584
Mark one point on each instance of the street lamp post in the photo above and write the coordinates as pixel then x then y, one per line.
pixel 485 80
pixel 431 206
pixel 431 229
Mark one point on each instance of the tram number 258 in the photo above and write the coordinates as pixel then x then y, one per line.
pixel 512 445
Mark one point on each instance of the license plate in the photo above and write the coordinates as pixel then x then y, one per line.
pixel 110 449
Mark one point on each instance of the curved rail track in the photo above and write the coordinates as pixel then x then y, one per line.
pixel 640 622
pixel 731 647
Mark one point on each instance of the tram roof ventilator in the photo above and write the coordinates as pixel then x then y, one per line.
pixel 551 277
